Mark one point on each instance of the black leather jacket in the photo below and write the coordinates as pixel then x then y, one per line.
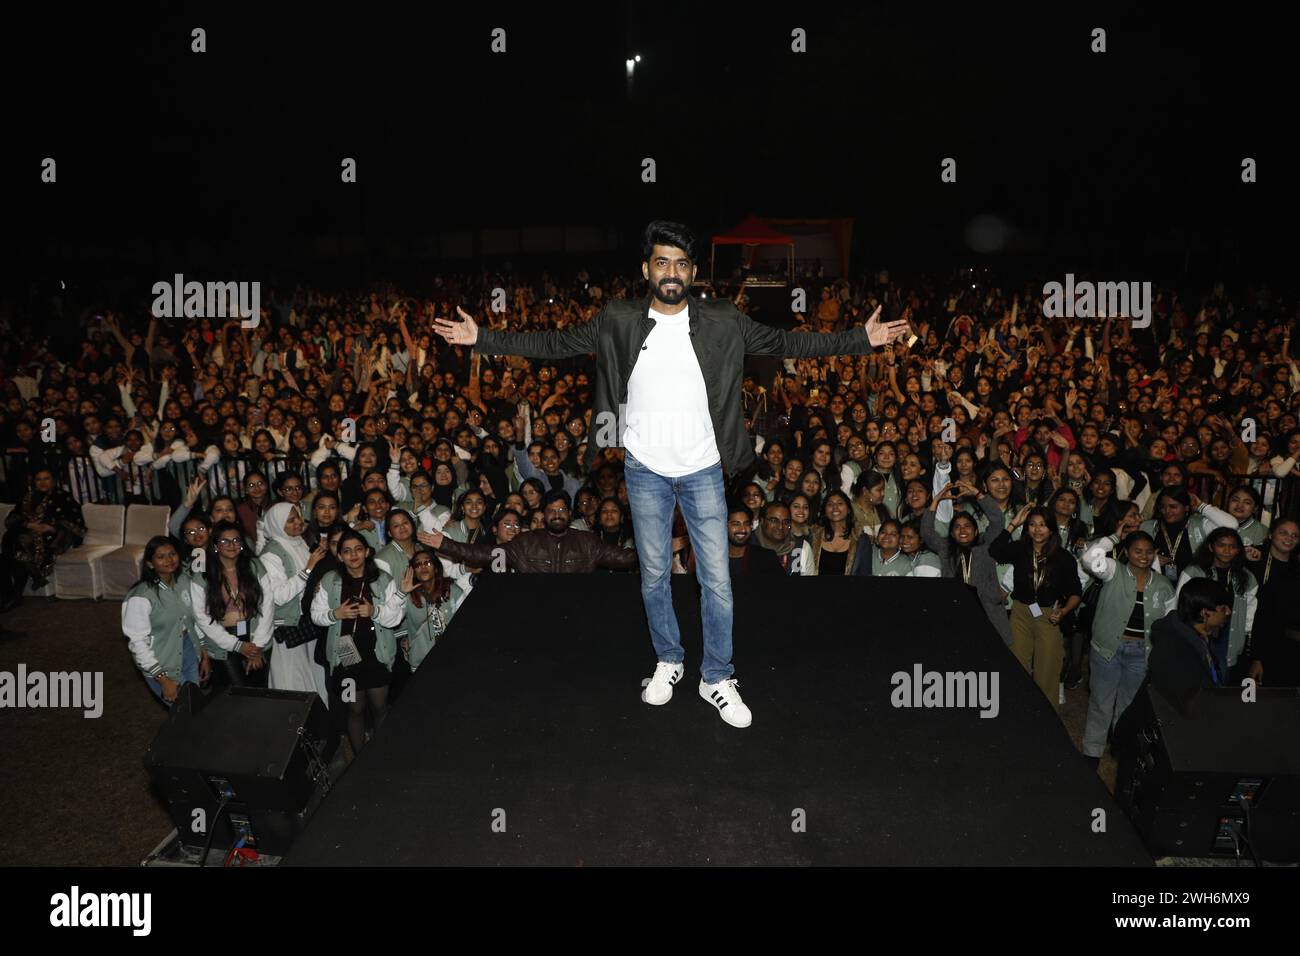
pixel 574 552
pixel 722 336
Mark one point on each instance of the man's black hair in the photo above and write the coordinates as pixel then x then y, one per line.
pixel 1198 595
pixel 556 494
pixel 661 232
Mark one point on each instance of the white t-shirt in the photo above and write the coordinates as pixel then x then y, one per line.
pixel 668 427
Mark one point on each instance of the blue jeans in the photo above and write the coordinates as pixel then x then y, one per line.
pixel 704 506
pixel 1114 684
pixel 189 670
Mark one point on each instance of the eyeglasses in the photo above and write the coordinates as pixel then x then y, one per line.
pixel 229 542
pixel 421 564
pixel 195 532
pixel 780 521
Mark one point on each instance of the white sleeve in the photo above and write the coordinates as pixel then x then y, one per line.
pixel 138 630
pixel 283 588
pixel 1282 466
pixel 846 480
pixel 395 482
pixel 213 631
pixel 1096 561
pixel 925 571
pixel 144 455
pixel 210 457
pixel 1182 579
pixel 265 628
pixel 1252 605
pixel 320 607
pixel 345 450
pixel 181 451
pixel 105 460
pixel 1217 517
pixel 392 608
pixel 942 469
pixel 163 460
pixel 806 564
pixel 319 455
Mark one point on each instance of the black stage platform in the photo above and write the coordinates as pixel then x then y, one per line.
pixel 531 706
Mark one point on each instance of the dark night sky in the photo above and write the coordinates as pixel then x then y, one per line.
pixel 1145 140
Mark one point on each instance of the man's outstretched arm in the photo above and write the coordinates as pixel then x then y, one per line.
pixel 863 340
pixel 551 343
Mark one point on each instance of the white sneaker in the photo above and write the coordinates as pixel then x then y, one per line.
pixel 724 696
pixel 659 688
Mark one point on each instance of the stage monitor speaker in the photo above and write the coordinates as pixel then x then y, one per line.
pixel 250 764
pixel 1214 776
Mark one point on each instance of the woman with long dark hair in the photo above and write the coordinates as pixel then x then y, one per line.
pixel 429 608
pixel 361 606
pixel 399 531
pixel 1100 509
pixel 233 611
pixel 257 499
pixel 1276 632
pixel 964 551
pixel 885 461
pixel 1222 558
pixel 834 542
pixel 611 524
pixel 325 512
pixel 1046 588
pixel 158 621
pixel 869 501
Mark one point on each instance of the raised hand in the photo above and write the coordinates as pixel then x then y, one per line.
pixel 457 333
pixel 408 580
pixel 882 333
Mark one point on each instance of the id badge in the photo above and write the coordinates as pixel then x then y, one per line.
pixel 1171 572
pixel 1035 610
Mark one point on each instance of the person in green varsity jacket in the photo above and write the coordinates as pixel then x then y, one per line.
pixel 1222 558
pixel 429 606
pixel 362 607
pixel 1133 597
pixel 158 621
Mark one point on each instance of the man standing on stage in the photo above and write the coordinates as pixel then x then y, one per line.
pixel 668 385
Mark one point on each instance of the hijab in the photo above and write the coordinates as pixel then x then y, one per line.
pixel 295 547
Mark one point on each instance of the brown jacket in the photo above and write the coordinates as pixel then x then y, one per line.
pixel 574 552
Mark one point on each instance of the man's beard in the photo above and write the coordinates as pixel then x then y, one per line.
pixel 557 526
pixel 670 296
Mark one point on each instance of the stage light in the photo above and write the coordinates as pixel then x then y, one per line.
pixel 638 57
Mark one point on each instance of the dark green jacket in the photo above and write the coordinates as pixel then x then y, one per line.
pixel 722 336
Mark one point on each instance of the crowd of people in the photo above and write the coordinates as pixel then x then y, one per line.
pixel 340 476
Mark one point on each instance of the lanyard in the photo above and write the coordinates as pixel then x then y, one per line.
pixel 1040 572
pixel 1173 548
pixel 234 599
pixel 1268 567
pixel 965 568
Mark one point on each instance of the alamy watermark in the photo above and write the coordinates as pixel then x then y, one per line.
pixel 82 690
pixel 75 908
pixel 208 300
pixel 654 428
pixel 947 689
pixel 1100 300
